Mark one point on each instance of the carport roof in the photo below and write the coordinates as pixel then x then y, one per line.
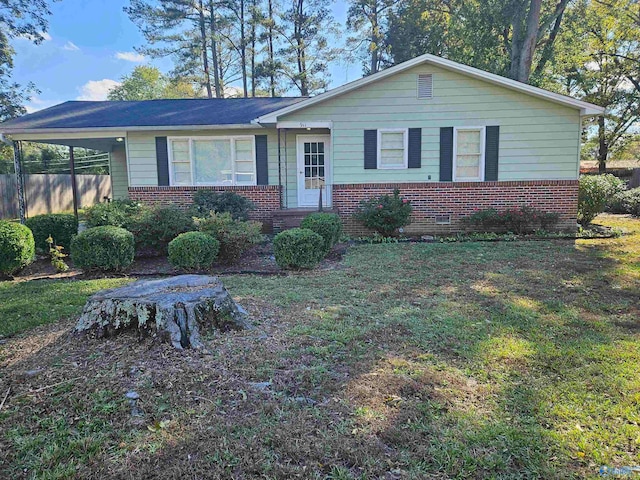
pixel 147 114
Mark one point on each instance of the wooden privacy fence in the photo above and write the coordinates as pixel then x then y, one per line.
pixel 51 193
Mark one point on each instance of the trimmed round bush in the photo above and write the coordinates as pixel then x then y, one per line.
pixel 327 225
pixel 298 248
pixel 105 248
pixel 594 191
pixel 60 226
pixel 17 247
pixel 193 251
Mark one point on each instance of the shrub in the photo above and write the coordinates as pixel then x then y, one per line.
pixel 106 248
pixel 594 192
pixel 153 228
pixel 385 214
pixel 625 202
pixel 524 219
pixel 298 248
pixel 235 236
pixel 17 247
pixel 206 201
pixel 327 225
pixel 60 226
pixel 193 251
pixel 117 213
pixel 57 256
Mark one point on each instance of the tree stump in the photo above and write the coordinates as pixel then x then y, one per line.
pixel 177 308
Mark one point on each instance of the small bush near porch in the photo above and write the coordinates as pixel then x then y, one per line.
pixel 465 360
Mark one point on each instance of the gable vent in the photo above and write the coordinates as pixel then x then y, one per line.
pixel 425 85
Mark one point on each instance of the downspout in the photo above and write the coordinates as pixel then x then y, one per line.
pixel 286 171
pixel 280 169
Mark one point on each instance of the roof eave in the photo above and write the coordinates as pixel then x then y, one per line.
pixel 131 128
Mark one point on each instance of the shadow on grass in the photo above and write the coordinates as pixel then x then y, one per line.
pixel 417 361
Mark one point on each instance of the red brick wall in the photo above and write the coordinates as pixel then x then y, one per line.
pixel 265 197
pixel 460 199
pixel 429 199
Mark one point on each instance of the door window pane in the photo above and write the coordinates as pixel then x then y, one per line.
pixel 314 165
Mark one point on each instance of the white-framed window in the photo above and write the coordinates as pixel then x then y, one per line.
pixel 393 146
pixel 212 160
pixel 468 154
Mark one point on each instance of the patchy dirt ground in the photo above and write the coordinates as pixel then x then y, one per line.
pixel 413 361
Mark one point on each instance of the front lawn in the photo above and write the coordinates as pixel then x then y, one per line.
pixel 468 360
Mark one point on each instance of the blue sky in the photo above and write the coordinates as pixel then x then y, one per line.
pixel 90 45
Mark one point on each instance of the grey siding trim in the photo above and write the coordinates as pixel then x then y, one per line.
pixel 262 160
pixel 446 154
pixel 370 149
pixel 415 148
pixel 162 159
pixel 491 153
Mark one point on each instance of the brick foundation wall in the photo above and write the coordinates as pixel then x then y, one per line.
pixel 265 197
pixel 460 199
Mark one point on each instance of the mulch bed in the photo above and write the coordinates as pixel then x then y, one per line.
pixel 259 260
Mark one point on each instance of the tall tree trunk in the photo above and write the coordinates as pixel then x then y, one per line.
pixel 547 51
pixel 272 64
pixel 220 69
pixel 300 49
pixel 375 40
pixel 603 147
pixel 253 47
pixel 524 40
pixel 214 50
pixel 243 51
pixel 205 58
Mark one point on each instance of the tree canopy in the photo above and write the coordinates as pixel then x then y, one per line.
pixel 18 18
pixel 149 83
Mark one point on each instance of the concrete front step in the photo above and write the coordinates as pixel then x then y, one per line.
pixel 292 217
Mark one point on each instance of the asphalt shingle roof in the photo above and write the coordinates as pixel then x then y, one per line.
pixel 149 113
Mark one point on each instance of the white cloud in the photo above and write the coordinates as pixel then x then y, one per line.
pixel 96 89
pixel 72 47
pixel 130 57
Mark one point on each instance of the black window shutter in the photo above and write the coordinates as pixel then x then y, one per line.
pixel 262 160
pixel 415 148
pixel 446 154
pixel 491 150
pixel 162 159
pixel 370 149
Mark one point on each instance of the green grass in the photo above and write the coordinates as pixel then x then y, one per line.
pixel 25 305
pixel 471 360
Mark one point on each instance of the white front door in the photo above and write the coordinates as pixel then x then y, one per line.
pixel 314 163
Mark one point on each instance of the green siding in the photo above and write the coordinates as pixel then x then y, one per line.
pixel 143 167
pixel 119 182
pixel 538 139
